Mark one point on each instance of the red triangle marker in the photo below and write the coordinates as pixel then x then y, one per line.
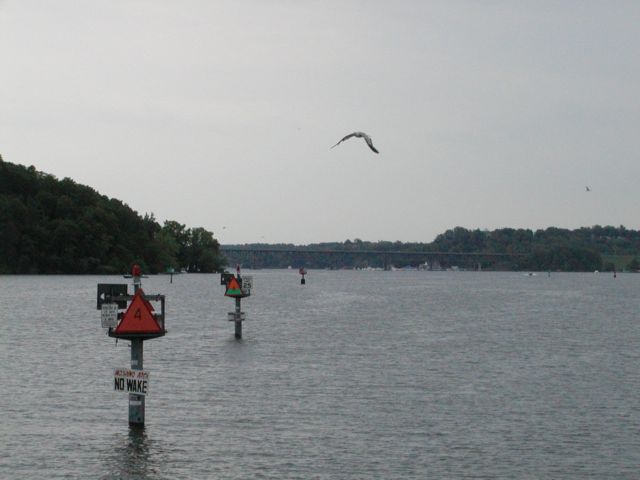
pixel 233 289
pixel 138 318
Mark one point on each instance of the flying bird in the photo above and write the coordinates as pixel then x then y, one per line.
pixel 366 137
pixel 588 189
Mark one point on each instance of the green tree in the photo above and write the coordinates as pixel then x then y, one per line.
pixel 203 251
pixel 58 226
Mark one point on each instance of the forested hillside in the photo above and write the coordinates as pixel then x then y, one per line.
pixel 583 249
pixel 58 226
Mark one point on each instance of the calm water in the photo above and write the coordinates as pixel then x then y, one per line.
pixel 354 375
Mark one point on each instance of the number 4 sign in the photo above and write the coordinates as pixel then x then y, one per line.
pixel 138 319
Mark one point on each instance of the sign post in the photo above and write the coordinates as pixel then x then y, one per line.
pixel 137 323
pixel 238 320
pixel 136 401
pixel 237 287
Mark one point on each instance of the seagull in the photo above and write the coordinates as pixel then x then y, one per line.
pixel 366 137
pixel 588 189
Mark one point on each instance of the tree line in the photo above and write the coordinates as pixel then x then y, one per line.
pixel 58 226
pixel 551 249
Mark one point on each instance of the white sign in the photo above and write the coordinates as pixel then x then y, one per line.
pixel 236 317
pixel 247 284
pixel 109 315
pixel 131 381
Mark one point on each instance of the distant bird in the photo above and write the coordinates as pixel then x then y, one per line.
pixel 366 137
pixel 588 189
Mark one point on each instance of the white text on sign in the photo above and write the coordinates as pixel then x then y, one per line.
pixel 131 381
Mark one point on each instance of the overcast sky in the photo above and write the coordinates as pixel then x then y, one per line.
pixel 221 114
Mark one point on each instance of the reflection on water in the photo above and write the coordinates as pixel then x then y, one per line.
pixel 130 456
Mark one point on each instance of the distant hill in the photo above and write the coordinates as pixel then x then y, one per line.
pixel 555 249
pixel 58 226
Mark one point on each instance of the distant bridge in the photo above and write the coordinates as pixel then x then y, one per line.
pixel 260 257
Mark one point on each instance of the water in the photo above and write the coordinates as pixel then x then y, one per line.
pixel 354 375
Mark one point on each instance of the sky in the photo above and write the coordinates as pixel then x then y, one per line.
pixel 221 114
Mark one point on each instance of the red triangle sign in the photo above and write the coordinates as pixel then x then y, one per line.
pixel 138 318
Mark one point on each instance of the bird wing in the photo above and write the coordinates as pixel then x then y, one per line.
pixel 366 137
pixel 346 138
pixel 370 143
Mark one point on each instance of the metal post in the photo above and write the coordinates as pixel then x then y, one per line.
pixel 238 322
pixel 136 402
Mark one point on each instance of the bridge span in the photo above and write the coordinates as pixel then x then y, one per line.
pixel 271 257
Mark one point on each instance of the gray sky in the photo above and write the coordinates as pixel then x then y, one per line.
pixel 487 114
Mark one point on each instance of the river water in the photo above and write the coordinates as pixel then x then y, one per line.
pixel 365 374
